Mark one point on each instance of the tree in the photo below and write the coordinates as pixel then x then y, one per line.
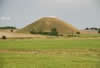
pixel 33 32
pixel 12 30
pixel 4 37
pixel 99 31
pixel 8 27
pixel 78 33
pixel 54 32
pixel 87 28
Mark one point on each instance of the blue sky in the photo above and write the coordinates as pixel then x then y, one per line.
pixel 80 13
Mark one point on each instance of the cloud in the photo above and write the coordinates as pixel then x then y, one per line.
pixel 4 18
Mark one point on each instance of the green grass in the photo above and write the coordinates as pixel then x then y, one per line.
pixel 90 35
pixel 48 61
pixel 52 53
pixel 49 44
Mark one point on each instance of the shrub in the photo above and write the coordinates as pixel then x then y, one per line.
pixel 12 30
pixel 99 31
pixel 4 37
pixel 77 32
pixel 54 32
pixel 32 32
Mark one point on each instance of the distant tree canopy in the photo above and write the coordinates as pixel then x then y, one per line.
pixel 99 31
pixel 8 27
pixel 86 28
pixel 92 28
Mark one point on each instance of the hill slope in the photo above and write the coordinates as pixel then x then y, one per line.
pixel 46 24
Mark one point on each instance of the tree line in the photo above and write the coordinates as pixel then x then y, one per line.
pixel 8 27
pixel 93 28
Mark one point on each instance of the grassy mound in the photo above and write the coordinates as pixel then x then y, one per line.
pixel 46 24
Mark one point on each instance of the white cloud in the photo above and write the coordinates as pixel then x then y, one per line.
pixel 4 18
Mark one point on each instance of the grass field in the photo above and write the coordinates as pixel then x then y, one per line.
pixel 50 53
pixel 90 35
pixel 49 44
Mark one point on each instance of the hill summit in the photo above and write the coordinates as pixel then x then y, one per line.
pixel 46 24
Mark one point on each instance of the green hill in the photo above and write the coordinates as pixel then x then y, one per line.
pixel 46 24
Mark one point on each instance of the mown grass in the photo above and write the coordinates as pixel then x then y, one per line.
pixel 49 44
pixel 48 61
pixel 52 53
pixel 90 35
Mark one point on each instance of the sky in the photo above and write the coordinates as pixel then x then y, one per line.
pixel 80 13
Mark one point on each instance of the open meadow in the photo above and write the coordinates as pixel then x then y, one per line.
pixel 50 53
pixel 49 33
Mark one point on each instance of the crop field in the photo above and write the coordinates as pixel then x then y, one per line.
pixel 50 53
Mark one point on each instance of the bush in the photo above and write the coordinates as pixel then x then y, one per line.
pixel 12 30
pixel 99 31
pixel 32 32
pixel 4 37
pixel 77 32
pixel 54 32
